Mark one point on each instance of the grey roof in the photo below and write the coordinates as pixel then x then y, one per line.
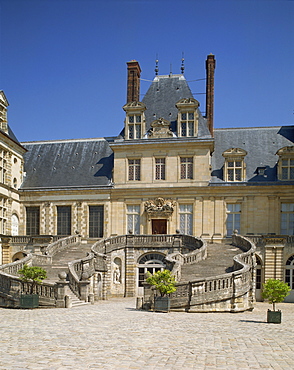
pixel 161 98
pixel 69 163
pixel 261 144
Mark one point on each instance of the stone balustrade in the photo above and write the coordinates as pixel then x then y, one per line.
pixel 231 292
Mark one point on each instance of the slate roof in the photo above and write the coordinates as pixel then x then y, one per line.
pixel 69 163
pixel 261 144
pixel 161 98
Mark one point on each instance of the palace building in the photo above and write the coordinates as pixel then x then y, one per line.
pixel 168 171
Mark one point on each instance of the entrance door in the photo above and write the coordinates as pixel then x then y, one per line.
pixel 159 226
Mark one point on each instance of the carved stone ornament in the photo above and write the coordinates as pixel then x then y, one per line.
pixel 159 207
pixel 160 128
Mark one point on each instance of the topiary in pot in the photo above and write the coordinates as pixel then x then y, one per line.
pixel 275 291
pixel 35 275
pixel 164 282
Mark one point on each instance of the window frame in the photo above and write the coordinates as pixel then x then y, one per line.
pixel 160 168
pixel 133 213
pixel 186 218
pixel 234 173
pixel 96 221
pixel 286 154
pixel 64 220
pixel 134 169
pixel 33 220
pixel 186 168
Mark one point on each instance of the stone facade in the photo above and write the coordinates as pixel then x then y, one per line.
pixel 217 180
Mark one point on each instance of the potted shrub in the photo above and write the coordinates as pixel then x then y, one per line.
pixel 35 275
pixel 275 291
pixel 164 282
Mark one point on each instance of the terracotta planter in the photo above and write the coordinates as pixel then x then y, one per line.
pixel 274 317
pixel 162 304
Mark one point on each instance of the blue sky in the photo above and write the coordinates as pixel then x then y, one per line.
pixel 63 62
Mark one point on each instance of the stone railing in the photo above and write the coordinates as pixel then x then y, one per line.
pixel 230 292
pixel 11 286
pixel 61 244
pixel 181 243
pixel 80 272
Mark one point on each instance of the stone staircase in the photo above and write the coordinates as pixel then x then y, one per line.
pixel 60 260
pixel 60 263
pixel 219 261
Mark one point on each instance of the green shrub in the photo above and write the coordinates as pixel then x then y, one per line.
pixel 163 281
pixel 33 274
pixel 275 291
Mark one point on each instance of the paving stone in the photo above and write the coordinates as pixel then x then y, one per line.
pixel 112 335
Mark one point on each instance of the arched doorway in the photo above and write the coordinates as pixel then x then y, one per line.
pixel 150 262
pixel 258 279
pixel 289 278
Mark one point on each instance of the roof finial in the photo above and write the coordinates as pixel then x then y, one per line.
pixel 170 68
pixel 156 65
pixel 182 66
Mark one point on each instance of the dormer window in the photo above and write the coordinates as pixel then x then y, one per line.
pixel 135 120
pixel 286 163
pixel 187 117
pixel 234 168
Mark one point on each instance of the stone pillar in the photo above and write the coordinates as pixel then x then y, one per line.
pixel 273 260
pixel 130 272
pixel 6 249
pixel 61 284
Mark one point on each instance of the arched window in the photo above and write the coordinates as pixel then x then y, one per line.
pixel 14 225
pixel 151 262
pixel 289 273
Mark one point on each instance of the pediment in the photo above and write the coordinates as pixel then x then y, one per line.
pixel 3 99
pixel 234 152
pixel 134 105
pixel 188 102
pixel 286 150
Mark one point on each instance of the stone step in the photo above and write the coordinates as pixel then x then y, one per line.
pixel 219 261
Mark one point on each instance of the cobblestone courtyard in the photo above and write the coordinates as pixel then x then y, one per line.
pixel 113 335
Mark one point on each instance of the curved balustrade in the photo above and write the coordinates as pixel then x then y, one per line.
pixel 228 292
pixel 61 244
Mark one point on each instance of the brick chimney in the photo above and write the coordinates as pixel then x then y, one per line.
pixel 210 67
pixel 133 88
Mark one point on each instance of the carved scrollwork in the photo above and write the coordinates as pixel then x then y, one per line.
pixel 159 207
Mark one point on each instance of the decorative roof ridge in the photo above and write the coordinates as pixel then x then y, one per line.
pixel 251 128
pixel 62 141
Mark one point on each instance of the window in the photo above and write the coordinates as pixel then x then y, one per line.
pixel 3 166
pixel 187 124
pixel 287 167
pixel 186 167
pixel 135 126
pixel 233 218
pixel 63 220
pixel 287 218
pixel 186 219
pixel 187 117
pixel 135 120
pixel 234 171
pixel 134 169
pixel 3 215
pixel 151 262
pixel 133 219
pixel 33 221
pixel 159 168
pixel 289 272
pixel 286 163
pixel 234 168
pixel 14 224
pixel 96 216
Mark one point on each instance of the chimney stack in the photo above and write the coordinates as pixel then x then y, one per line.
pixel 133 88
pixel 210 67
